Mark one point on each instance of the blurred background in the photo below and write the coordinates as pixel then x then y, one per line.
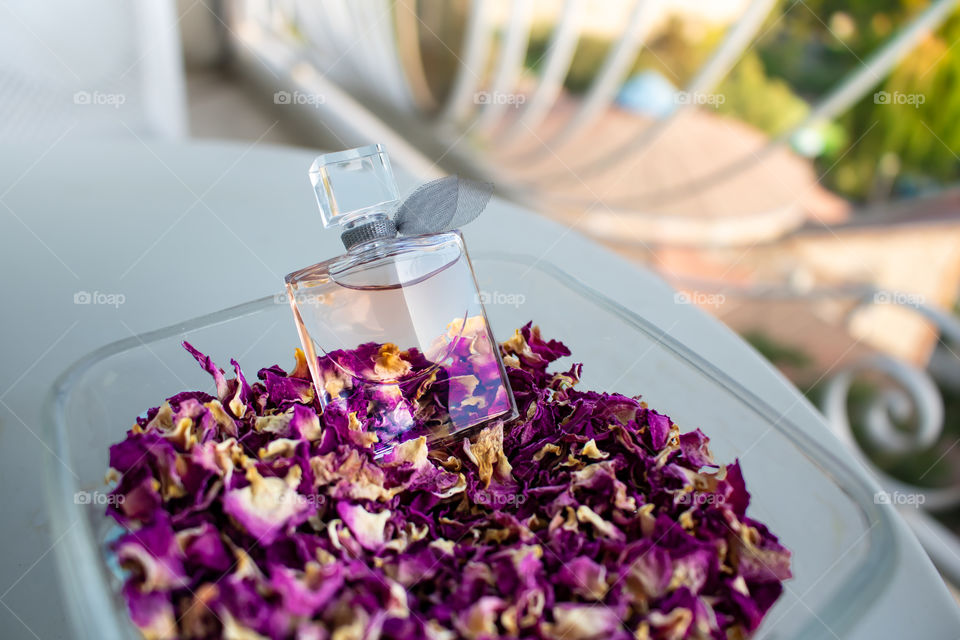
pixel 790 167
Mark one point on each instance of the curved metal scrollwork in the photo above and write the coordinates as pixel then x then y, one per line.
pixel 915 395
pixel 908 395
pixel 911 395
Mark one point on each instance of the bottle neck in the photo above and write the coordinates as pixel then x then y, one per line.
pixel 365 219
pixel 359 233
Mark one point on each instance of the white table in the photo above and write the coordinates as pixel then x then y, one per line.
pixel 181 230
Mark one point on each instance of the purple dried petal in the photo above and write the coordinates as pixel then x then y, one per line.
pixel 266 507
pixel 210 367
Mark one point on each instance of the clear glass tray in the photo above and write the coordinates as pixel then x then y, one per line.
pixel 842 542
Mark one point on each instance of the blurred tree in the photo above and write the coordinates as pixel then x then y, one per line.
pixel 910 130
pixel 899 140
pixel 679 49
pixel 813 43
pixel 766 103
pixel 676 51
pixel 879 147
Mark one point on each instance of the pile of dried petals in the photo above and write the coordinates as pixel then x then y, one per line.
pixel 252 515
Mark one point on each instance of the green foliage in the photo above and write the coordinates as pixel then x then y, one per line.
pixel 587 57
pixel 767 103
pixel 776 352
pixel 672 52
pixel 913 141
pixel 586 61
pixel 679 50
pixel 676 52
pixel 814 45
pixel 804 51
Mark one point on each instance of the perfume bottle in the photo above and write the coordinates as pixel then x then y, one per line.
pixel 395 327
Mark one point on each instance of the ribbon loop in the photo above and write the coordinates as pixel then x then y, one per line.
pixel 442 205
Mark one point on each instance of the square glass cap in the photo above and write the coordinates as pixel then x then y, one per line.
pixel 353 184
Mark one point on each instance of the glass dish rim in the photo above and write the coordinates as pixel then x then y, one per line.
pixel 91 602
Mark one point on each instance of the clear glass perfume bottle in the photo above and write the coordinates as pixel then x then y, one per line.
pixel 394 327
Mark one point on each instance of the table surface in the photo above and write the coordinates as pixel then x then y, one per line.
pixel 182 229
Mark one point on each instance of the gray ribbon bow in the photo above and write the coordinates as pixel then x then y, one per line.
pixel 439 205
pixel 442 205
